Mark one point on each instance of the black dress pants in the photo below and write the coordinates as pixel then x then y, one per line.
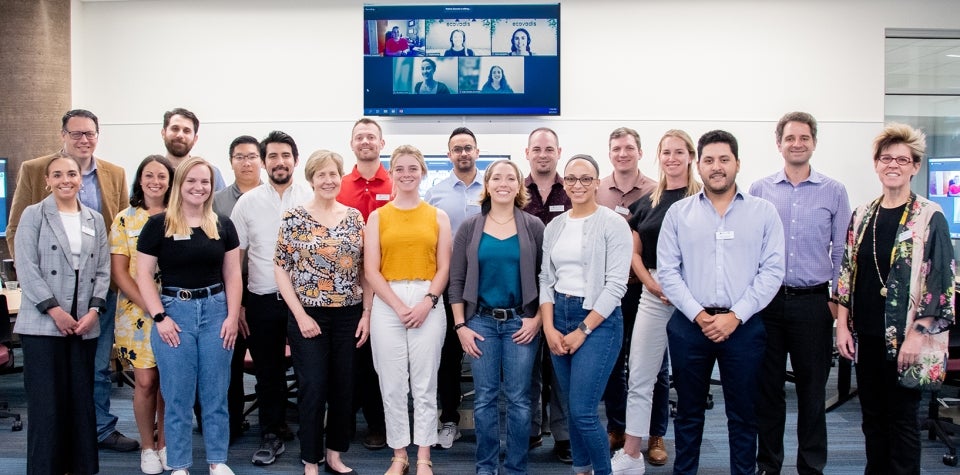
pixel 267 319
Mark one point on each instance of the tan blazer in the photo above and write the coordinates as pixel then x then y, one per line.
pixel 32 188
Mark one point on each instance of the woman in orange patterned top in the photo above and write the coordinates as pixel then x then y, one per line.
pixel 318 266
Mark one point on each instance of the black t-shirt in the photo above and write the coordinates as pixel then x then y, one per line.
pixel 868 305
pixel 191 262
pixel 646 221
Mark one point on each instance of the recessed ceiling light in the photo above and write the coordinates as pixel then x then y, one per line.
pixel 953 55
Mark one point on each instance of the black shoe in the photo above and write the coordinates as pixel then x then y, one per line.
pixel 561 449
pixel 375 441
pixel 270 447
pixel 119 443
pixel 327 469
pixel 285 433
pixel 535 441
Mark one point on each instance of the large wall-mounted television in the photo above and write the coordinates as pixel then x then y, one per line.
pixel 944 189
pixel 461 60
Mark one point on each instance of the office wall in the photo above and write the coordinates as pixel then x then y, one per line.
pixel 249 66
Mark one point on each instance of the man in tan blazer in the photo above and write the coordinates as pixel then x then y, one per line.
pixel 104 190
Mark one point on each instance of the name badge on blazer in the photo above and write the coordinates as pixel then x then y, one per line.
pixel 904 236
pixel 87 230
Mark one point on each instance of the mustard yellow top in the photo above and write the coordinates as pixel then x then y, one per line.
pixel 408 242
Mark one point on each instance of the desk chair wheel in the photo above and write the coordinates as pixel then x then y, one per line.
pixel 950 459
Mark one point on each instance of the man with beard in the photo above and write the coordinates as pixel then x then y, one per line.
pixel 179 133
pixel 257 216
pixel 720 261
pixel 459 196
pixel 367 188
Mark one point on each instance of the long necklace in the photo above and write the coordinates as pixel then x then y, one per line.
pixel 876 262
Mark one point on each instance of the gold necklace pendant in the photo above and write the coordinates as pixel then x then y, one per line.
pixel 883 291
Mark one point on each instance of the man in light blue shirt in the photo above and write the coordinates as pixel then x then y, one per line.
pixel 815 212
pixel 459 196
pixel 720 261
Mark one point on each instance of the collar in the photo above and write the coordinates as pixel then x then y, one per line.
pixel 528 182
pixel 381 174
pixel 781 177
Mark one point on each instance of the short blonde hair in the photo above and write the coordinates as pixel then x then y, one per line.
pixel 320 159
pixel 412 151
pixel 522 197
pixel 895 133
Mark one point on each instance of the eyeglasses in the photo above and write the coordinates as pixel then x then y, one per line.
pixel 572 180
pixel 458 150
pixel 250 157
pixel 78 135
pixel 901 160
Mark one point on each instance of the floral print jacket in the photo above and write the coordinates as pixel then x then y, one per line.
pixel 921 279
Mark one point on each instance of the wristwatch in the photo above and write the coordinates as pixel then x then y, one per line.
pixel 459 326
pixel 584 328
pixel 434 299
pixel 159 317
pixel 921 329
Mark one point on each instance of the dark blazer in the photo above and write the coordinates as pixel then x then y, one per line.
pixel 465 264
pixel 45 267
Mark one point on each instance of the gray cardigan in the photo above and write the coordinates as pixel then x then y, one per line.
pixel 465 265
pixel 45 267
pixel 605 256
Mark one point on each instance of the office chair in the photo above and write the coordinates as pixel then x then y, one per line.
pixel 7 365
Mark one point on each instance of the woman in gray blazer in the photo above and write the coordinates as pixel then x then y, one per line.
pixel 63 263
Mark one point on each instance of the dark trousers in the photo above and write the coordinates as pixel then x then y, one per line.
pixel 693 355
pixel 890 426
pixel 235 402
pixel 448 376
pixel 615 394
pixel 61 425
pixel 366 391
pixel 267 318
pixel 802 327
pixel 324 367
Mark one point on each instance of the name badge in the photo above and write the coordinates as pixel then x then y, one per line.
pixel 383 197
pixel 622 210
pixel 181 237
pixel 724 235
pixel 556 208
pixel 86 230
pixel 135 233
pixel 904 236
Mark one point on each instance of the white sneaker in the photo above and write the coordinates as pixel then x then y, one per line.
pixel 449 432
pixel 221 469
pixel 623 464
pixel 163 458
pixel 182 471
pixel 150 462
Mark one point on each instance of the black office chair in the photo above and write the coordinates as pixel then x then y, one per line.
pixel 7 365
pixel 937 425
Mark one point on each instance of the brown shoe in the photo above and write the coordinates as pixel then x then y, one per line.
pixel 656 451
pixel 616 440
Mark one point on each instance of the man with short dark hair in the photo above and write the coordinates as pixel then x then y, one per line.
pixel 815 212
pixel 105 191
pixel 720 261
pixel 257 217
pixel 180 133
pixel 459 196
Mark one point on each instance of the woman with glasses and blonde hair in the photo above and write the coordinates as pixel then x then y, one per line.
pixel 895 291
pixel 195 253
pixel 407 250
pixel 582 279
pixel 648 388
pixel 495 299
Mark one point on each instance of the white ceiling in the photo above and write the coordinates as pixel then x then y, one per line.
pixel 922 66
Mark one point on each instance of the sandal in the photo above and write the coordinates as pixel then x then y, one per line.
pixel 424 462
pixel 404 470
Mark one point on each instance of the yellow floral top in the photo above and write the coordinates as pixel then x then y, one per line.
pixel 324 263
pixel 133 328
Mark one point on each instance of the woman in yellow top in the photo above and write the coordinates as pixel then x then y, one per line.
pixel 406 262
pixel 151 192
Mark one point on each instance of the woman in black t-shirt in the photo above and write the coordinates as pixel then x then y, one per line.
pixel 195 312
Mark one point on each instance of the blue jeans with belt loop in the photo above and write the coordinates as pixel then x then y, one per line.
pixel 199 363
pixel 583 377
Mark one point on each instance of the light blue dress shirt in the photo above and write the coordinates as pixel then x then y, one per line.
pixel 732 261
pixel 90 191
pixel 456 198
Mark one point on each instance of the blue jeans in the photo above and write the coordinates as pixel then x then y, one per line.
pixel 106 422
pixel 693 355
pixel 516 362
pixel 592 364
pixel 199 363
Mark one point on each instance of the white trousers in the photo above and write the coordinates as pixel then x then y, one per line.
pixel 647 345
pixel 407 361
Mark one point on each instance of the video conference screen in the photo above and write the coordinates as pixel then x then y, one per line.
pixel 461 60
pixel 944 189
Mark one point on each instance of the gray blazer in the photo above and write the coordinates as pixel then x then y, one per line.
pixel 45 267
pixel 465 266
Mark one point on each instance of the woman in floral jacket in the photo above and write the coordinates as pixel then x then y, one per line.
pixel 896 292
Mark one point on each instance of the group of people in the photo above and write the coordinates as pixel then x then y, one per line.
pixel 560 286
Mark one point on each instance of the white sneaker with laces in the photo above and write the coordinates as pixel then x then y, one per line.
pixel 449 432
pixel 221 469
pixel 623 464
pixel 163 458
pixel 150 462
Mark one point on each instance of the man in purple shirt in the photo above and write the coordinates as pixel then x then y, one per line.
pixel 815 213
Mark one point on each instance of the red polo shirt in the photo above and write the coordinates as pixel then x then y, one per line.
pixel 363 194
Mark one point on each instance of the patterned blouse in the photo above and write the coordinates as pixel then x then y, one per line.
pixel 921 279
pixel 324 263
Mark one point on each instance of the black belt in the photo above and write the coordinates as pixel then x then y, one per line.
pixel 715 310
pixel 189 294
pixel 500 314
pixel 813 289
